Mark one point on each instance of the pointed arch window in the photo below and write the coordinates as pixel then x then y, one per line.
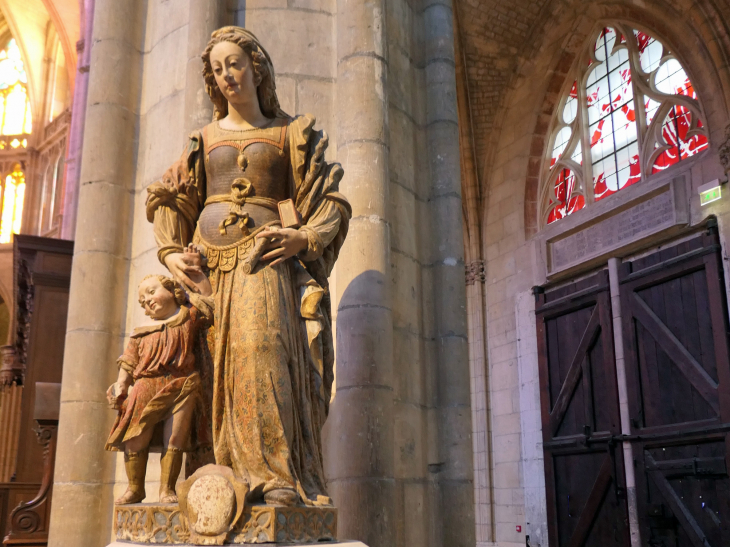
pixel 12 203
pixel 631 111
pixel 15 115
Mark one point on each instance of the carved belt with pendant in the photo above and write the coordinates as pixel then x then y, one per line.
pixel 239 196
pixel 248 250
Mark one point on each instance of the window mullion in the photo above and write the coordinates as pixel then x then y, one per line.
pixel 613 120
pixel 5 107
pixel 639 110
pixel 585 139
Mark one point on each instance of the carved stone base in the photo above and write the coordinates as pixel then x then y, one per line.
pixel 151 523
pixel 328 544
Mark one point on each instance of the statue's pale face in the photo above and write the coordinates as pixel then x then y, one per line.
pixel 158 302
pixel 234 73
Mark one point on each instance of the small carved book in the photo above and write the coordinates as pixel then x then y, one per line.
pixel 289 215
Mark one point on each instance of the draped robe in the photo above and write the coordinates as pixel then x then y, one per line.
pixel 271 342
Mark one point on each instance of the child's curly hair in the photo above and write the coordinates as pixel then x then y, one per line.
pixel 170 285
pixel 262 67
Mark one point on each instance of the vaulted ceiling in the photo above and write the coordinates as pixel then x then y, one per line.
pixel 28 22
pixel 494 34
pixel 497 36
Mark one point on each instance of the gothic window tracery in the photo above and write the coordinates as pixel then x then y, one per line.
pixel 50 194
pixel 12 203
pixel 630 112
pixel 15 112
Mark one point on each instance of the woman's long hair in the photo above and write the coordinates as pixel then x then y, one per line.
pixel 262 66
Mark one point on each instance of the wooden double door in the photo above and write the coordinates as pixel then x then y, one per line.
pixel 674 374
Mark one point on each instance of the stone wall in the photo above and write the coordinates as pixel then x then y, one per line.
pixel 509 220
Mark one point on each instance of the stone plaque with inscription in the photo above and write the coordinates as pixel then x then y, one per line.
pixel 624 227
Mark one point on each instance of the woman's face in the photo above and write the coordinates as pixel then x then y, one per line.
pixel 234 73
pixel 157 301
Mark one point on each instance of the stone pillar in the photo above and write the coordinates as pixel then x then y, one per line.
pixel 623 399
pixel 78 118
pixel 455 468
pixel 205 17
pixel 359 432
pixel 82 497
pixel 475 302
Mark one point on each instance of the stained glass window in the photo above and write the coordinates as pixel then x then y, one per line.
pixel 636 114
pixel 14 103
pixel 12 204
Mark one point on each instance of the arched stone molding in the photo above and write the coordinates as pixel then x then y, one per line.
pixel 66 17
pixel 31 39
pixel 700 45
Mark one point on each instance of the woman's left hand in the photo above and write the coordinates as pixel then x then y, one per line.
pixel 284 243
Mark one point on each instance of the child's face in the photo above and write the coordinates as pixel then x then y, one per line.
pixel 157 301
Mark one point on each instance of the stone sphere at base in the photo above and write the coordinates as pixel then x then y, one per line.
pixel 211 504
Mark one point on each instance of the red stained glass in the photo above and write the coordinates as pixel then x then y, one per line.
pixel 611 113
pixel 675 131
pixel 612 126
pixel 650 52
pixel 574 90
pixel 681 145
pixel 564 187
pixel 617 173
pixel 642 40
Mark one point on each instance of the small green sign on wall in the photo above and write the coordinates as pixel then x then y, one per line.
pixel 712 191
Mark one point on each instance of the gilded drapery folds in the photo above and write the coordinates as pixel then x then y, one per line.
pixel 271 343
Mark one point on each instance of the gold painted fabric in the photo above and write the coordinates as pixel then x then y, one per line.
pixel 271 341
pixel 163 360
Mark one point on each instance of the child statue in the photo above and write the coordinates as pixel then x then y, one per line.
pixel 160 362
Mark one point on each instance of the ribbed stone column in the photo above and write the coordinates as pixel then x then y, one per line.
pixel 455 475
pixel 205 17
pixel 475 300
pixel 78 120
pixel 359 433
pixel 82 497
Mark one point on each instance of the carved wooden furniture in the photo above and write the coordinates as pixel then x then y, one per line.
pixel 42 269
pixel 28 522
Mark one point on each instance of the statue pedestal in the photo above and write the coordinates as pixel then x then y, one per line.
pixel 153 523
pixel 325 544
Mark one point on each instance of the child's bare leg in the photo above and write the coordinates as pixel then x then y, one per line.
pixel 178 426
pixel 136 451
pixel 175 438
pixel 140 442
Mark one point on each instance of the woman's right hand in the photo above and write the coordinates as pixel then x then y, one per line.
pixel 181 268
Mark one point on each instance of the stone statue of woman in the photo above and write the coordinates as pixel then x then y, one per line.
pixel 271 341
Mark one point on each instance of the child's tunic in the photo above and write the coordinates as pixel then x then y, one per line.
pixel 162 360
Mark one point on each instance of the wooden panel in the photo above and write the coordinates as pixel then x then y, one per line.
pixel 586 499
pixel 577 374
pixel 675 330
pixel 684 494
pixel 42 269
pixel 47 263
pixel 579 403
pixel 11 398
